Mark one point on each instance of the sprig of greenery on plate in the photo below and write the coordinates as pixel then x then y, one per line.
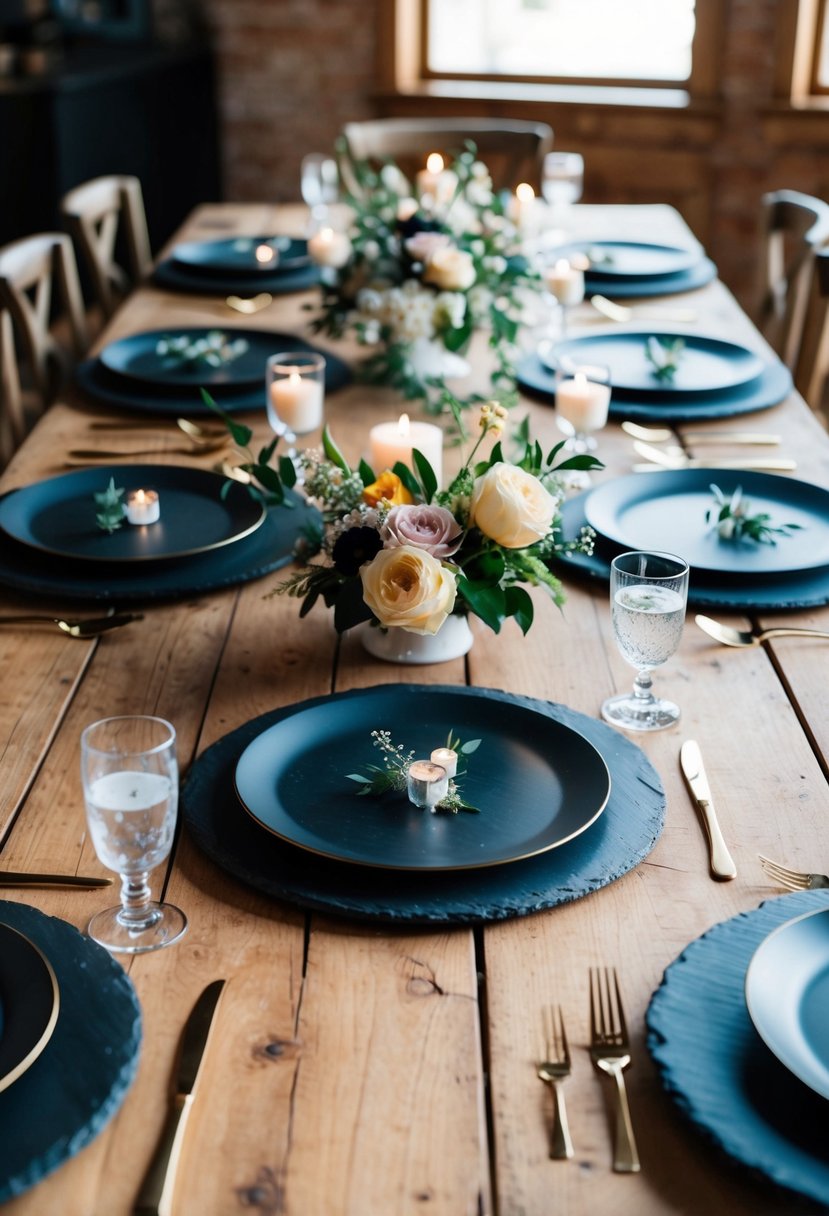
pixel 391 775
pixel 664 357
pixel 111 511
pixel 213 349
pixel 733 520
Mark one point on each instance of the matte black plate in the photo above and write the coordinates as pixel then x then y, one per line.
pixel 231 282
pixel 537 783
pixel 770 388
pixel 742 592
pixel 239 254
pixel 136 360
pixel 30 1003
pixel 630 259
pixel 706 365
pixel 58 515
pixel 667 511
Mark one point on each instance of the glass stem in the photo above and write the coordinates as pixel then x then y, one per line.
pixel 135 910
pixel 643 688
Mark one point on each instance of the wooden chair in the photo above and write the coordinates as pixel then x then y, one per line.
pixel 29 270
pixel 811 375
pixel 513 150
pixel 94 213
pixel 796 225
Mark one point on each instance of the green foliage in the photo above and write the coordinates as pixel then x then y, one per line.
pixel 111 511
pixel 731 516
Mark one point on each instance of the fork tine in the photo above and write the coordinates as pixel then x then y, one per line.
pixel 620 1009
pixel 565 1049
pixel 594 1026
pixel 791 878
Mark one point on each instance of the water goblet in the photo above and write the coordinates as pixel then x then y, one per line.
pixel 562 182
pixel 129 774
pixel 648 594
pixel 319 185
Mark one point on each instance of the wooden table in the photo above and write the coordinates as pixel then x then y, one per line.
pixel 357 1069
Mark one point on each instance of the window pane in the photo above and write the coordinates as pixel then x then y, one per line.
pixel 645 40
pixel 823 55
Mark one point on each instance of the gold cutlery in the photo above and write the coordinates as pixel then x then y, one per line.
pixel 201 434
pixel 620 312
pixel 667 461
pixel 89 627
pixel 661 434
pixel 203 447
pixel 610 1053
pixel 249 306
pixel 552 1070
pixel 720 860
pixel 741 637
pixel 18 878
pixel 793 880
pixel 156 1195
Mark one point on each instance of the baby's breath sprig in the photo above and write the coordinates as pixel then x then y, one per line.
pixel 391 775
pixel 733 520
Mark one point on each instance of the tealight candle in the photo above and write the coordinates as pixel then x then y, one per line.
pixel 393 441
pixel 583 403
pixel 426 783
pixel 446 758
pixel 142 507
pixel 428 179
pixel 265 254
pixel 329 248
pixel 565 282
pixel 295 392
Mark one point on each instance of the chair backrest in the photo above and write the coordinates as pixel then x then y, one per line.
pixel 811 373
pixel 93 213
pixel 796 225
pixel 29 271
pixel 514 151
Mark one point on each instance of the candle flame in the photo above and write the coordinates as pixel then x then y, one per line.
pixel 403 426
pixel 265 253
pixel 562 265
pixel 434 162
pixel 524 192
pixel 580 381
pixel 140 498
pixel 295 379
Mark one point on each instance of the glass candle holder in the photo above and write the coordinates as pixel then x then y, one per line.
pixel 426 783
pixel 562 182
pixel 294 393
pixel 564 288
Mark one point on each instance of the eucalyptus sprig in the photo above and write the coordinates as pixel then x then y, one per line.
pixel 213 349
pixel 111 511
pixel 733 520
pixel 391 776
pixel 664 356
pixel 270 482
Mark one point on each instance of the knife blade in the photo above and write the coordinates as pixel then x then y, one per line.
pixel 770 464
pixel 156 1195
pixel 18 878
pixel 720 860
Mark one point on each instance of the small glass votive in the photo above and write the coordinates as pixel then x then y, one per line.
pixel 426 783
pixel 142 507
pixel 446 758
pixel 295 389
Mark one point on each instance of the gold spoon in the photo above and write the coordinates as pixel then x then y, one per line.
pixel 739 637
pixel 660 434
pixel 620 312
pixel 249 306
pixel 200 434
pixel 88 628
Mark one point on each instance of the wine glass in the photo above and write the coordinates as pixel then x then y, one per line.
pixel 562 181
pixel 319 185
pixel 130 785
pixel 648 594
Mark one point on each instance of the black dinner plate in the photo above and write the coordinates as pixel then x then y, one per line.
pixel 631 287
pixel 239 254
pixel 232 282
pixel 706 365
pixel 101 384
pixel 667 511
pixel 630 259
pixel 537 783
pixel 199 512
pixel 769 389
pixel 30 1003
pixel 137 361
pixel 744 593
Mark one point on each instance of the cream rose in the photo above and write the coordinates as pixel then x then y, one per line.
pixel 512 507
pixel 407 588
pixel 450 269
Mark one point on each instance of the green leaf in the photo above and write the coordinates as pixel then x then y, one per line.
pixel 367 474
pixel 580 462
pixel 408 478
pixel 357 777
pixel 287 471
pixel 426 473
pixel 269 479
pixel 520 606
pixel 470 747
pixel 239 433
pixel 486 602
pixel 487 568
pixel 333 452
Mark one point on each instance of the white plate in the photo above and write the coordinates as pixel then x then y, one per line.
pixel 787 994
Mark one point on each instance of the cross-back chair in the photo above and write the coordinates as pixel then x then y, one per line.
pixel 811 374
pixel 513 150
pixel 94 214
pixel 35 273
pixel 796 226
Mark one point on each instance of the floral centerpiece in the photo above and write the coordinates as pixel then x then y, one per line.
pixel 415 277
pixel 404 554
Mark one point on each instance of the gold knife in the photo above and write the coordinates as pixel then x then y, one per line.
pixel 720 860
pixel 156 1195
pixel 18 878
pixel 770 464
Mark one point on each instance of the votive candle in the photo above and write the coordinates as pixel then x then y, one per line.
pixel 583 403
pixel 446 758
pixel 296 389
pixel 390 442
pixel 143 507
pixel 426 783
pixel 565 282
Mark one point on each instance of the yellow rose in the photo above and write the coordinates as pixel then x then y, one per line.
pixel 407 588
pixel 512 507
pixel 388 486
pixel 450 269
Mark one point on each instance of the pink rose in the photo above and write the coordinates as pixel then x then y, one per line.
pixel 422 245
pixel 433 529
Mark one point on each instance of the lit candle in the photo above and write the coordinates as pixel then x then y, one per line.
pixel 329 248
pixel 297 401
pixel 523 205
pixel 446 758
pixel 426 783
pixel 265 254
pixel 428 179
pixel 393 441
pixel 406 208
pixel 143 507
pixel 583 403
pixel 565 282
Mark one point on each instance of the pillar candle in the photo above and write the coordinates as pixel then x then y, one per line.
pixel 297 400
pixel 393 441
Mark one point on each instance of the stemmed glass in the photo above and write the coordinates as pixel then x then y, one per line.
pixel 319 184
pixel 130 785
pixel 562 182
pixel 648 594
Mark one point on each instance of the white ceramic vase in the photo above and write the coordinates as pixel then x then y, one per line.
pixel 452 640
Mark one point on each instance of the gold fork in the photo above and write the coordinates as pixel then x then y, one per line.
pixel 552 1070
pixel 610 1052
pixel 793 880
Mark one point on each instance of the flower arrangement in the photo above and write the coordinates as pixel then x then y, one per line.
pixel 404 554
pixel 733 519
pixel 664 357
pixel 414 273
